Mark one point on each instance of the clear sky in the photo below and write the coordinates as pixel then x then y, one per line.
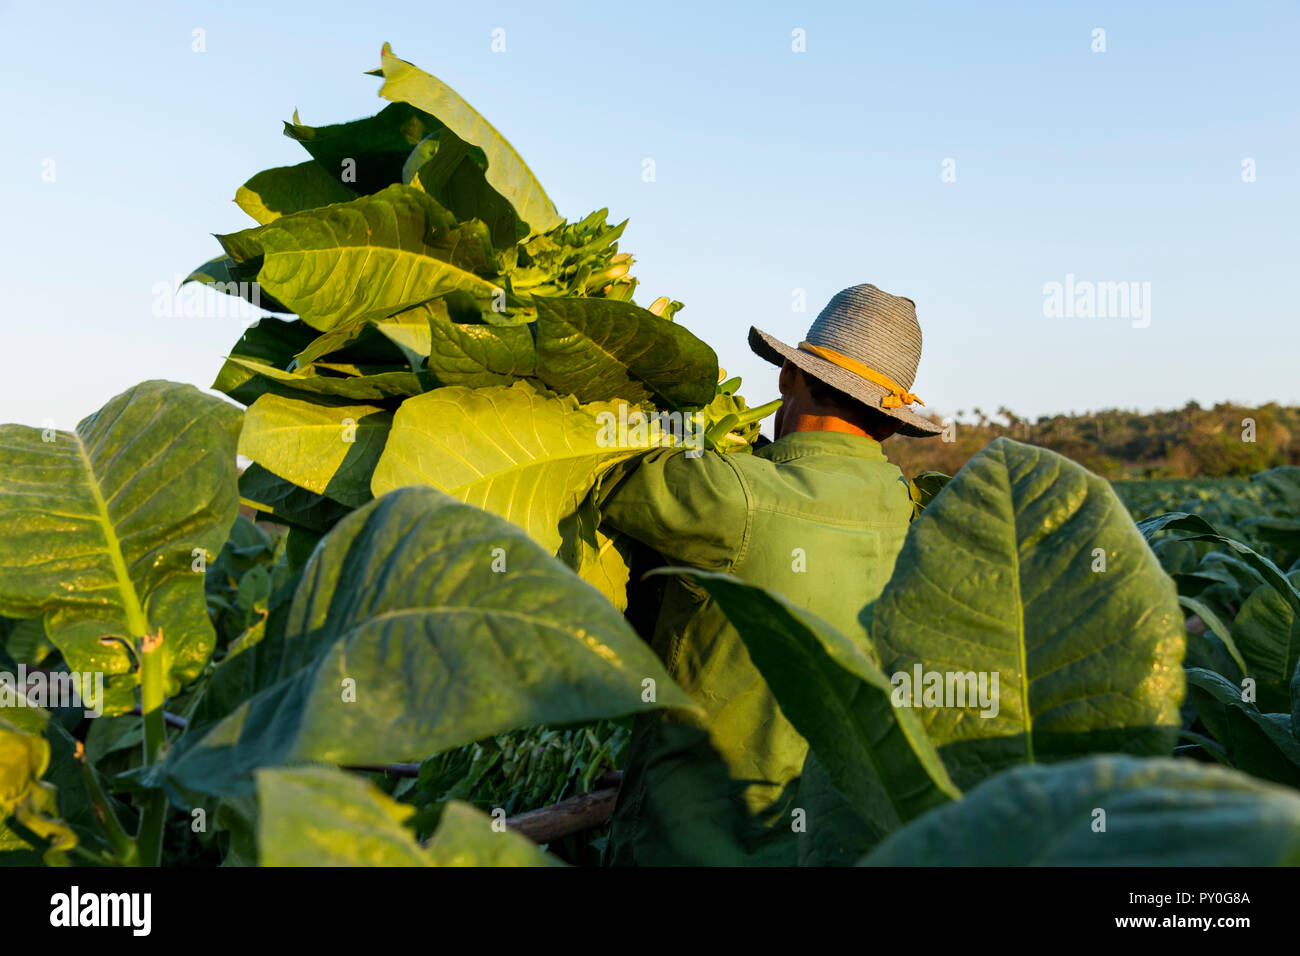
pixel 775 171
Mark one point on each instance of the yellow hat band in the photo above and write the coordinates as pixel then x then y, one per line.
pixel 895 395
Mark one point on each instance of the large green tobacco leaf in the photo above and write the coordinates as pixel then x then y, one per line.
pixel 422 624
pixel 374 148
pixel 364 259
pixel 598 349
pixel 100 528
pixel 1001 577
pixel 1157 812
pixel 512 451
pixel 506 172
pixel 875 754
pixel 330 450
pixel 273 193
pixel 317 816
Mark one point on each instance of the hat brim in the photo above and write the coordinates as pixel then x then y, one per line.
pixel 772 349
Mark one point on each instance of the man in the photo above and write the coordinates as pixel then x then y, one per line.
pixel 818 516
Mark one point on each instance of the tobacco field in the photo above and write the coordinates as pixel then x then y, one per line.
pixel 410 571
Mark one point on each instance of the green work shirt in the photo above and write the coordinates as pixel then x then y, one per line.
pixel 818 517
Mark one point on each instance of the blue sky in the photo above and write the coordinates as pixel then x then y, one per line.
pixel 775 171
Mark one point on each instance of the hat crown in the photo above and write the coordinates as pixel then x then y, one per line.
pixel 872 327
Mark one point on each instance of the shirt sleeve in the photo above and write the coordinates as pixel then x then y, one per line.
pixel 692 510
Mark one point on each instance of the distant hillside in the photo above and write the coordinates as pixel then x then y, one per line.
pixel 1192 442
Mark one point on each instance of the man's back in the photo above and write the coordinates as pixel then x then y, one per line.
pixel 818 517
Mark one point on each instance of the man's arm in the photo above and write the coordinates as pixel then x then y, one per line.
pixel 691 510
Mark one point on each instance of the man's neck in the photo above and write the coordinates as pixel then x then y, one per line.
pixel 808 422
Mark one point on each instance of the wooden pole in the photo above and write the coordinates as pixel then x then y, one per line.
pixel 583 812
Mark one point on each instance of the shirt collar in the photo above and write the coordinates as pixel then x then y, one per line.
pixel 802 444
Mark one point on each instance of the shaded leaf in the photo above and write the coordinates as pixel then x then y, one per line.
pixel 268 342
pixel 27 643
pixel 453 172
pixel 1257 743
pixel 1202 530
pixel 223 274
pixel 475 355
pixel 875 754
pixel 373 149
pixel 1158 812
pixel 598 349
pixel 834 834
pixel 1268 632
pixel 1220 630
pixel 285 503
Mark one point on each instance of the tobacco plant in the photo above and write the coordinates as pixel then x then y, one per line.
pixel 452 330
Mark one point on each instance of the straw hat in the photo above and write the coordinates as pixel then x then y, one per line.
pixel 866 344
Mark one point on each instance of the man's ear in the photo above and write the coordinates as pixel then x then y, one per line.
pixel 790 376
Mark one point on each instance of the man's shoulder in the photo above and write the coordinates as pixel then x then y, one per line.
pixel 826 475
